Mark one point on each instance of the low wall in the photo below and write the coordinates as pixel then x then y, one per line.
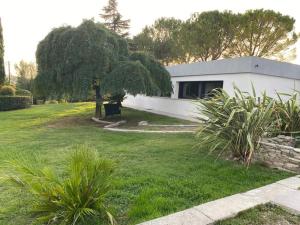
pixel 279 152
pixel 179 108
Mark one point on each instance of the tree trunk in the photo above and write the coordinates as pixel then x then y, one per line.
pixel 98 111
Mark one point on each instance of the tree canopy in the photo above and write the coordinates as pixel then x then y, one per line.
pixel 263 33
pixel 212 35
pixel 2 69
pixel 70 59
pixel 26 72
pixel 113 19
pixel 209 35
pixel 162 40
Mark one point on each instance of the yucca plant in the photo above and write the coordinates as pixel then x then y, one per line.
pixel 235 124
pixel 76 198
pixel 287 114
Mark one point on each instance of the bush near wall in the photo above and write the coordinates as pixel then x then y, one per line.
pixel 14 102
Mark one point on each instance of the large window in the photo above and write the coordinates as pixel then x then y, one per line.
pixel 198 89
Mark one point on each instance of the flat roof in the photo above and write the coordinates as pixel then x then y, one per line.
pixel 248 64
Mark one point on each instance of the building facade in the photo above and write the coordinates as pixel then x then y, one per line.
pixel 197 80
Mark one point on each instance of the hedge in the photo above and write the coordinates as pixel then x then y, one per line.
pixel 14 102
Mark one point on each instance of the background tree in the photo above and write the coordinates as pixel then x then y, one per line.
pixel 264 33
pixel 2 69
pixel 113 19
pixel 207 36
pixel 162 40
pixel 71 60
pixel 26 72
pixel 212 35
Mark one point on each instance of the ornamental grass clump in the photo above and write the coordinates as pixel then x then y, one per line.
pixel 235 125
pixel 287 114
pixel 76 198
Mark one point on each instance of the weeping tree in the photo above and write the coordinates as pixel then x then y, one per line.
pixel 74 60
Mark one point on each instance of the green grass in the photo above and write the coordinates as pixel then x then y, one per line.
pixel 156 174
pixel 263 215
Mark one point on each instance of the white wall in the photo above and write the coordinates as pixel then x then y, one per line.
pixel 187 109
pixel 179 108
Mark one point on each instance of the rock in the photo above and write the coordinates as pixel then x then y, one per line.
pixel 143 123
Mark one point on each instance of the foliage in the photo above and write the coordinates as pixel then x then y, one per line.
pixel 51 102
pixel 113 19
pixel 159 75
pixel 287 114
pixel 131 76
pixel 209 35
pixel 212 35
pixel 14 102
pixel 74 199
pixel 7 90
pixel 163 40
pixel 235 124
pixel 22 92
pixel 2 68
pixel 69 70
pixel 26 72
pixel 263 33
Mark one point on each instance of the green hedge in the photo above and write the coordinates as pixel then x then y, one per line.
pixel 14 102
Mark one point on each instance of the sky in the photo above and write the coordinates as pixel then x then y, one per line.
pixel 26 22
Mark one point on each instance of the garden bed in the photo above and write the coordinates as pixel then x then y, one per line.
pixel 156 174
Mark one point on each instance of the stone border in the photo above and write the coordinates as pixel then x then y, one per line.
pixel 149 131
pixel 284 193
pixel 111 126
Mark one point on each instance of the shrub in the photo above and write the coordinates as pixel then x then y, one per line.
pixel 74 199
pixel 51 102
pixel 14 102
pixel 40 102
pixel 235 124
pixel 23 92
pixel 287 114
pixel 7 91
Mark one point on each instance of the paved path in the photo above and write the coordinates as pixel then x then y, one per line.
pixel 284 193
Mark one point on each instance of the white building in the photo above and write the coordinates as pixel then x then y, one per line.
pixel 196 80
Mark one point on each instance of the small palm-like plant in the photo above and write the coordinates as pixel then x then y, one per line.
pixel 287 113
pixel 235 124
pixel 76 198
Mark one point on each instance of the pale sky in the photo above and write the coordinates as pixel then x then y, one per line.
pixel 26 22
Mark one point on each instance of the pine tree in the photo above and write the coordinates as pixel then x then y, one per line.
pixel 2 70
pixel 113 19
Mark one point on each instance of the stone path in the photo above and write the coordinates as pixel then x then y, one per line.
pixel 284 193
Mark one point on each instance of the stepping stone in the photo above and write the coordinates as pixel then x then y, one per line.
pixel 289 201
pixel 292 182
pixel 186 217
pixel 229 206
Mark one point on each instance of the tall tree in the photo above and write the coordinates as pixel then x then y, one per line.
pixel 264 33
pixel 113 19
pixel 207 36
pixel 162 40
pixel 73 60
pixel 26 72
pixel 2 69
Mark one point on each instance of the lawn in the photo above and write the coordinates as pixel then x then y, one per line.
pixel 156 174
pixel 263 215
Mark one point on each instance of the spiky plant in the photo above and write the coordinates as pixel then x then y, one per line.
pixel 74 199
pixel 287 114
pixel 235 124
